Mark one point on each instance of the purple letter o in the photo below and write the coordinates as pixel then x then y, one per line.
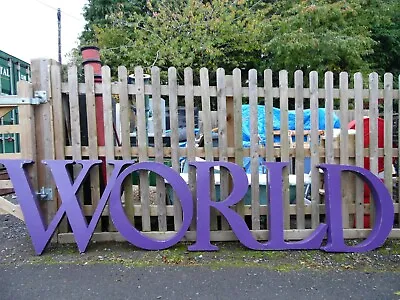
pixel 123 224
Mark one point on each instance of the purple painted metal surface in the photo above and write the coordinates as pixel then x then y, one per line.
pixel 239 227
pixel 41 233
pixel 204 204
pixel 384 210
pixel 124 226
pixel 276 222
pixel 34 219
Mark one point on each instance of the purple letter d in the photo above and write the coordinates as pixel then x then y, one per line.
pixel 333 192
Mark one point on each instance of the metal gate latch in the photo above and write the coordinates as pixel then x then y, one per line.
pixel 40 97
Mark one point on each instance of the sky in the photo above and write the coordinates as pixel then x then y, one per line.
pixel 29 27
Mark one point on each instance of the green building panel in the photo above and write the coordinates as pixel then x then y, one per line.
pixel 12 70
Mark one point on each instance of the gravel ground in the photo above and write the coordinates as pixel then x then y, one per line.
pixel 15 243
pixel 16 249
pixel 376 271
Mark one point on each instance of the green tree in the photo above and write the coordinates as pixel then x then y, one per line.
pixel 327 35
pixel 186 34
pixel 98 12
pixel 386 33
pixel 322 35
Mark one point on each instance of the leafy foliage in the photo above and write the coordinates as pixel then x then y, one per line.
pixel 191 34
pixel 322 35
pixel 98 12
pixel 386 32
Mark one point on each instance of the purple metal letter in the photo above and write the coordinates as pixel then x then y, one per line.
pixel 204 203
pixel 123 224
pixel 276 224
pixel 333 197
pixel 30 207
pixel 239 227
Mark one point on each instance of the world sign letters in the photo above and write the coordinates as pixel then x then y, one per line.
pixel 331 230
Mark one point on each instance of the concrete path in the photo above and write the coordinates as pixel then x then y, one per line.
pixel 102 281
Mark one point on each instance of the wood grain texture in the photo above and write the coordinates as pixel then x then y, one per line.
pixel 125 114
pixel 59 128
pixel 285 139
pixel 314 146
pixel 44 130
pixel 75 124
pixel 223 138
pixel 238 137
pixel 93 142
pixel 347 188
pixel 359 107
pixel 388 130
pixel 320 147
pixel 142 145
pixel 245 91
pixel 329 117
pixel 373 131
pixel 191 144
pixel 173 112
pixel 254 156
pixel 208 139
pixel 299 102
pixel 158 144
pixel 108 127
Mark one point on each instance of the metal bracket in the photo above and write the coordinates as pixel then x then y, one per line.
pixel 45 194
pixel 40 97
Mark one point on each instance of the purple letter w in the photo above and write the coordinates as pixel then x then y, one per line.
pixel 67 189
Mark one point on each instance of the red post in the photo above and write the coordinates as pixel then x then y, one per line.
pixel 91 56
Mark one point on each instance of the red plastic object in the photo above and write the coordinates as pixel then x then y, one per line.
pixel 381 140
pixel 381 164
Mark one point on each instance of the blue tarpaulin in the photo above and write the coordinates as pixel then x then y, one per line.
pixel 276 126
pixel 277 122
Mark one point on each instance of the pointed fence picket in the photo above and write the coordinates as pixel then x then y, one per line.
pixel 191 143
pixel 254 155
pixel 359 147
pixel 344 147
pixel 174 125
pixel 299 163
pixel 314 147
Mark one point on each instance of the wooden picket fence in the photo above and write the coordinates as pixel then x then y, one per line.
pixel 63 130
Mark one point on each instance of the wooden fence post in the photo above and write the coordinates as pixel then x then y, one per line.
pixel 27 123
pixel 44 130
